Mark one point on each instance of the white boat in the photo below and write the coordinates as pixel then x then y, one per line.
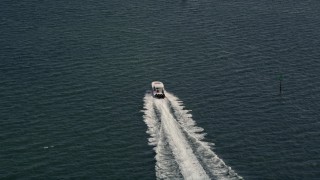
pixel 158 89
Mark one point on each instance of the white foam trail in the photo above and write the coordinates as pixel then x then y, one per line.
pixel 188 163
pixel 151 120
pixel 178 143
pixel 213 165
pixel 166 167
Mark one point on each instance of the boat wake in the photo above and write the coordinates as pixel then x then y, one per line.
pixel 180 150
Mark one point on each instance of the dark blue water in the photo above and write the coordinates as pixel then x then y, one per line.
pixel 74 74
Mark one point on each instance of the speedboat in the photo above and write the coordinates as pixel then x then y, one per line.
pixel 158 89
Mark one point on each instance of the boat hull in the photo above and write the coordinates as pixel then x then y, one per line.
pixel 158 89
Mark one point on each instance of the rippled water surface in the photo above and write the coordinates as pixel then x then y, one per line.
pixel 74 75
